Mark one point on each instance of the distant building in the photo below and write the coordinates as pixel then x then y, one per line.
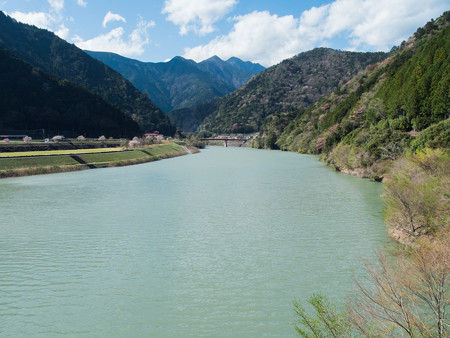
pixel 154 134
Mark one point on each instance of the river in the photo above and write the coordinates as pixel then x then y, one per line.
pixel 216 244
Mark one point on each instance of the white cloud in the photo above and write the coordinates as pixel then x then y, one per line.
pixel 376 25
pixel 198 16
pixel 62 32
pixel 109 17
pixel 56 5
pixel 46 20
pixel 42 20
pixel 258 36
pixel 38 19
pixel 81 3
pixel 364 25
pixel 116 41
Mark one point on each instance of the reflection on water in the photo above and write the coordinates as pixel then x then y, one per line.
pixel 214 244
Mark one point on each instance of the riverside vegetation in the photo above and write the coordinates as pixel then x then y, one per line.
pixel 409 294
pixel 394 123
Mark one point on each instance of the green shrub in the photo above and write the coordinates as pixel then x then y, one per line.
pixel 435 136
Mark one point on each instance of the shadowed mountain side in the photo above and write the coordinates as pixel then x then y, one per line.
pixel 190 119
pixel 45 50
pixel 32 99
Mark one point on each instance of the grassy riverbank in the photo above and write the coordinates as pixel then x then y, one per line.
pixel 45 162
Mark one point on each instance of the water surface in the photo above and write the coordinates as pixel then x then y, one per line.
pixel 216 244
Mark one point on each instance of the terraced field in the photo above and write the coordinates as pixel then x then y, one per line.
pixel 42 162
pixel 32 162
pixel 60 152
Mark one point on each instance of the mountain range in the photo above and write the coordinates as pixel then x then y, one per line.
pixel 296 82
pixel 355 109
pixel 181 83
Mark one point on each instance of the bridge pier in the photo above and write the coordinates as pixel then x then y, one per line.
pixel 239 141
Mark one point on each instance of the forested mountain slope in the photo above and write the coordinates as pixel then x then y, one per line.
pixel 296 82
pixel 189 119
pixel 235 72
pixel 32 99
pixel 180 83
pixel 45 50
pixel 400 103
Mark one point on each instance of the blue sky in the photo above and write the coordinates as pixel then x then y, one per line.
pixel 264 31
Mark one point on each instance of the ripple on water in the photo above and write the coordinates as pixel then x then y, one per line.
pixel 214 244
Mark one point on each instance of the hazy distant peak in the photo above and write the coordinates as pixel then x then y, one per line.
pixel 179 59
pixel 179 82
pixel 214 58
pixel 247 65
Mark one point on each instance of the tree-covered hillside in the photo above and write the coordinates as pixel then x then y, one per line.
pixel 402 102
pixel 190 119
pixel 296 82
pixel 45 50
pixel 32 99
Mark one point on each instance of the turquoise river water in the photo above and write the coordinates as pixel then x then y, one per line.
pixel 217 244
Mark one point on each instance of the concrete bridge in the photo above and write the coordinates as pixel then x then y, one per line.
pixel 240 141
